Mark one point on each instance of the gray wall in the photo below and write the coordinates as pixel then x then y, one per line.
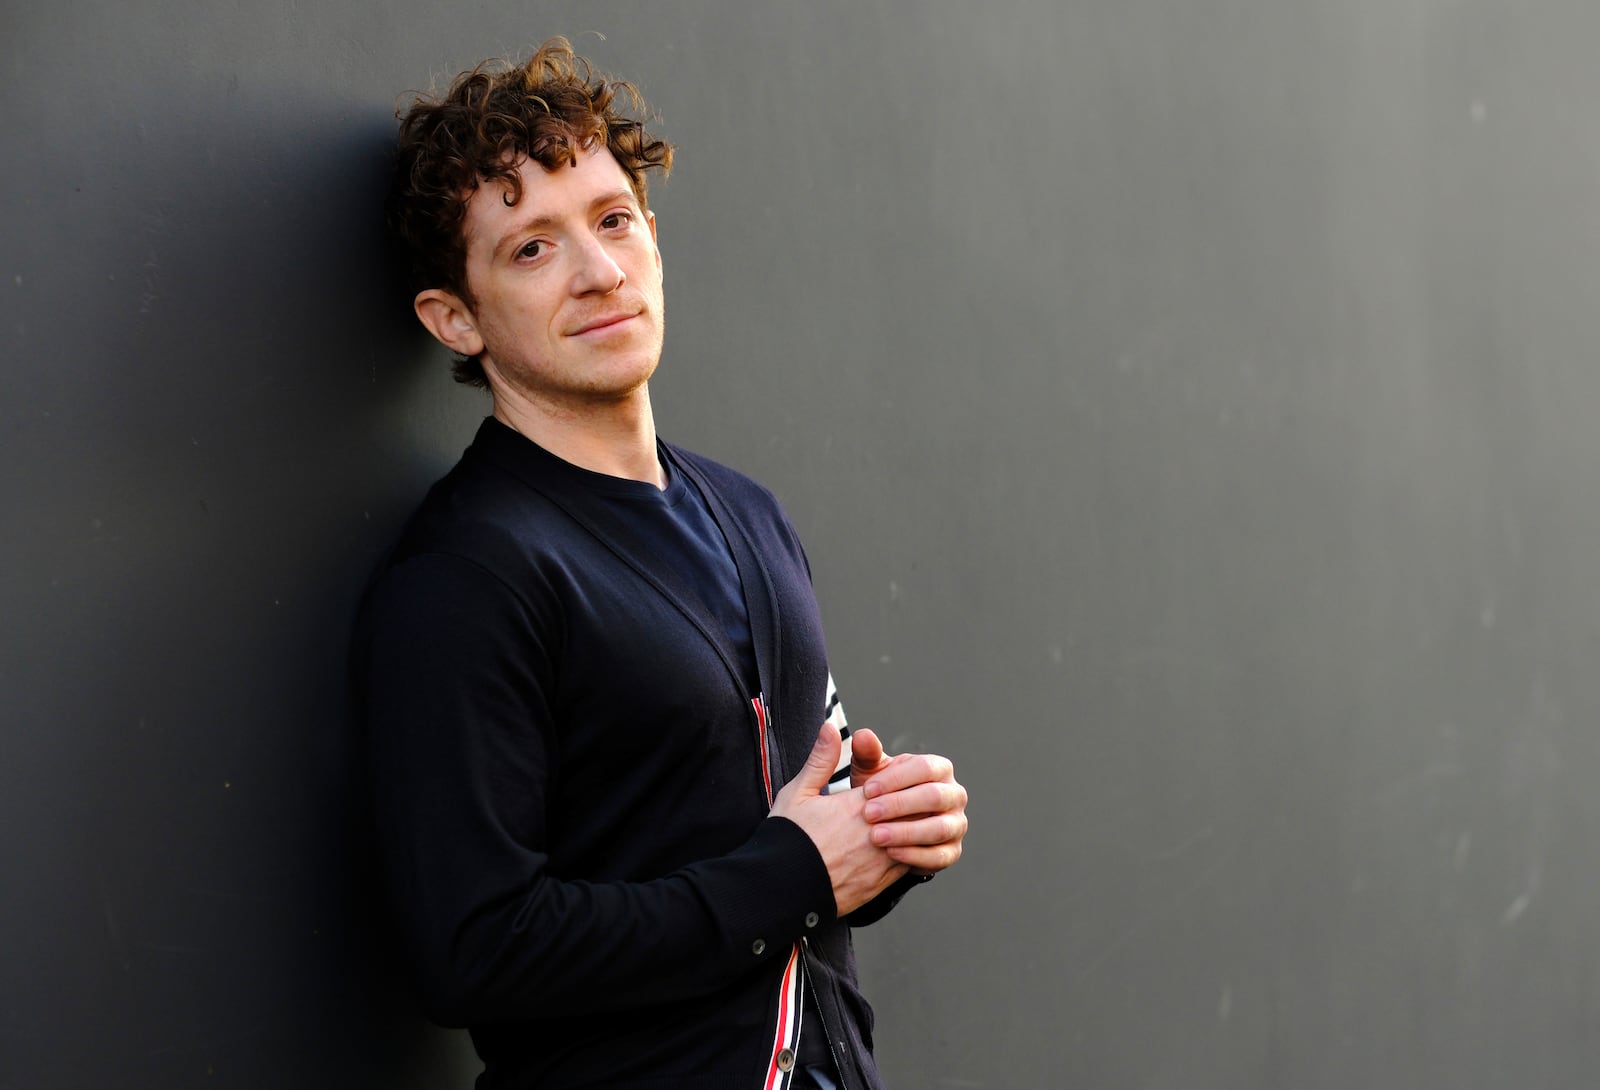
pixel 1186 406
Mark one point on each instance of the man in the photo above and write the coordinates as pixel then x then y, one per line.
pixel 593 666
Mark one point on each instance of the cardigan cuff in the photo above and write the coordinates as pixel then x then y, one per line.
pixel 791 897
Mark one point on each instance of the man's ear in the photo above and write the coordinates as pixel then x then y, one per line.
pixel 449 320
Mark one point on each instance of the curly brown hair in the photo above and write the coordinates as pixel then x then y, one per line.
pixel 548 108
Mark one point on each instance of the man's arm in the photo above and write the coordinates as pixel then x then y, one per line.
pixel 463 746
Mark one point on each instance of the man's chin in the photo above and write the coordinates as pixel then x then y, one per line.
pixel 617 387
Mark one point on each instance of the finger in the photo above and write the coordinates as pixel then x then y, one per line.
pixel 929 859
pixel 908 770
pixel 923 798
pixel 920 832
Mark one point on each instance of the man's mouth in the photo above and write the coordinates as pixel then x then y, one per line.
pixel 602 323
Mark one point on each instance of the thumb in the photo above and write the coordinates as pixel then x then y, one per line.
pixel 866 751
pixel 866 756
pixel 813 778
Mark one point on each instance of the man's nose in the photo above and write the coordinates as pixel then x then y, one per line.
pixel 597 271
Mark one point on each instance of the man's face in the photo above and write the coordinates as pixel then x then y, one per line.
pixel 567 282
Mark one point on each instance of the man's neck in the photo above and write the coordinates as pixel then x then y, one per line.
pixel 617 438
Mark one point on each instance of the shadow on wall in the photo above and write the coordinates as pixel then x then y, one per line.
pixel 243 406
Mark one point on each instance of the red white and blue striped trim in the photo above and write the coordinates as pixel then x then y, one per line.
pixel 760 705
pixel 833 712
pixel 786 1040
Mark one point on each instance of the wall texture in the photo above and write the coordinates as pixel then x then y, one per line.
pixel 1186 405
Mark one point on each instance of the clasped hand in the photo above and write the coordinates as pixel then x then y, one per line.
pixel 903 814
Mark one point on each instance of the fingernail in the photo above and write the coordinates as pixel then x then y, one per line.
pixel 872 790
pixel 872 811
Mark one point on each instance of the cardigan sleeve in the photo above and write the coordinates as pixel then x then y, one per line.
pixel 460 743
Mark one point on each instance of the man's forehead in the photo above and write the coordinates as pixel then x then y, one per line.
pixel 594 168
pixel 546 192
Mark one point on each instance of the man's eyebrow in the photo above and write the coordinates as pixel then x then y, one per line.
pixel 623 195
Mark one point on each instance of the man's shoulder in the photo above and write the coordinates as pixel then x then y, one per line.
pixel 732 485
pixel 478 511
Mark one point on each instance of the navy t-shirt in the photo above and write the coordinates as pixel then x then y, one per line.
pixel 676 525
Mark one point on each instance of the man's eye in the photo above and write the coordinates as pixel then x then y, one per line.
pixel 614 220
pixel 530 249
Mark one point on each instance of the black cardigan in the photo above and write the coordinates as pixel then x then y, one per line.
pixel 568 782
